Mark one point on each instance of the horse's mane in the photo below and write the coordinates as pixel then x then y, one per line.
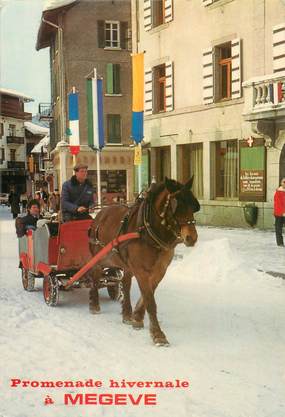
pixel 186 195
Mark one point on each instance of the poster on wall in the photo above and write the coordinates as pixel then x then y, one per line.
pixel 252 170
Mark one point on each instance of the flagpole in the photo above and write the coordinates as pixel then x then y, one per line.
pixel 98 161
pixel 98 177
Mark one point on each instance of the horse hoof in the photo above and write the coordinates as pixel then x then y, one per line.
pixel 160 341
pixel 127 320
pixel 137 325
pixel 94 309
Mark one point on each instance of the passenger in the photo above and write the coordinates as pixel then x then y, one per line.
pixel 77 195
pixel 28 222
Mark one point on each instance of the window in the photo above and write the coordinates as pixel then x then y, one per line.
pixel 114 128
pixel 159 89
pixel 2 155
pixel 113 79
pixel 1 130
pixel 226 169
pixel 158 12
pixel 223 73
pixel 12 154
pixel 12 130
pixel 190 162
pixel 162 163
pixel 112 34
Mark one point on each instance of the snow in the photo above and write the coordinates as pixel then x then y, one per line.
pixel 55 4
pixel 15 93
pixel 43 142
pixel 36 129
pixel 223 317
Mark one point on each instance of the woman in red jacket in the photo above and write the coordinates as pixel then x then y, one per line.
pixel 279 212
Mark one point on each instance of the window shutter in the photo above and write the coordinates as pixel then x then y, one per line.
pixel 110 86
pixel 207 2
pixel 279 48
pixel 168 11
pixel 123 34
pixel 208 77
pixel 116 79
pixel 101 33
pixel 236 68
pixel 147 14
pixel 148 91
pixel 169 84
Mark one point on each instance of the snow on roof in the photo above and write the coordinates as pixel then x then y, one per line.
pixel 43 142
pixel 36 129
pixel 55 4
pixel 15 93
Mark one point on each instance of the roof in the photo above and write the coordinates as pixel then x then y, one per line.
pixel 15 93
pixel 44 142
pixel 51 11
pixel 55 4
pixel 36 129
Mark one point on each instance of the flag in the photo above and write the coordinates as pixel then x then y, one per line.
pixel 95 112
pixel 73 116
pixel 138 97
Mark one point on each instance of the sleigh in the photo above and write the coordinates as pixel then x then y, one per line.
pixel 59 254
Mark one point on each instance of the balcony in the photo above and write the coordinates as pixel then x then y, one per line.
pixel 264 98
pixel 15 140
pixel 46 112
pixel 16 165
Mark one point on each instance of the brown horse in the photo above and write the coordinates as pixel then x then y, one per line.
pixel 164 218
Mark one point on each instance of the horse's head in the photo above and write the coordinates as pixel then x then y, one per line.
pixel 176 206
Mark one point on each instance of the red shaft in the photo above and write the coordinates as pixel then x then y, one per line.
pixel 103 252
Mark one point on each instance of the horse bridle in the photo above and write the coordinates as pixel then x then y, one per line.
pixel 173 219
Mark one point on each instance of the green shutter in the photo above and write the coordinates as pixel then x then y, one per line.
pixel 116 79
pixel 114 128
pixel 123 34
pixel 101 33
pixel 110 85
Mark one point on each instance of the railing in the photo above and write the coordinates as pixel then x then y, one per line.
pixel 11 139
pixel 16 165
pixel 45 111
pixel 264 94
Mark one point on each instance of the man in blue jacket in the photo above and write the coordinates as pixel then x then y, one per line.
pixel 77 195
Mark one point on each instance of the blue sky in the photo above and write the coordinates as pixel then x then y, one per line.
pixel 22 67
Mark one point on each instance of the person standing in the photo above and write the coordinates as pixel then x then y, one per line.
pixel 77 195
pixel 54 201
pixel 14 202
pixel 24 201
pixel 279 212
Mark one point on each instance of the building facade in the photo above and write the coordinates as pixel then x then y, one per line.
pixel 83 35
pixel 13 161
pixel 214 100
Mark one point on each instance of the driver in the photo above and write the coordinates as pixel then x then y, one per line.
pixel 77 195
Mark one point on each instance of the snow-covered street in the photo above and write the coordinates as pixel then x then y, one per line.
pixel 222 313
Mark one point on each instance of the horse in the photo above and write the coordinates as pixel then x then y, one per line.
pixel 164 218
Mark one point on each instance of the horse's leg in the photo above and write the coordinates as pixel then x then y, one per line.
pixel 126 303
pixel 94 306
pixel 147 291
pixel 138 314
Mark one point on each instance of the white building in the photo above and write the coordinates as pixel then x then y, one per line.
pixel 214 99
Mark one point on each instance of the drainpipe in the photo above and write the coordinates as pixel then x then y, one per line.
pixel 63 143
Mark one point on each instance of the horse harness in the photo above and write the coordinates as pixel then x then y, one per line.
pixel 170 223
